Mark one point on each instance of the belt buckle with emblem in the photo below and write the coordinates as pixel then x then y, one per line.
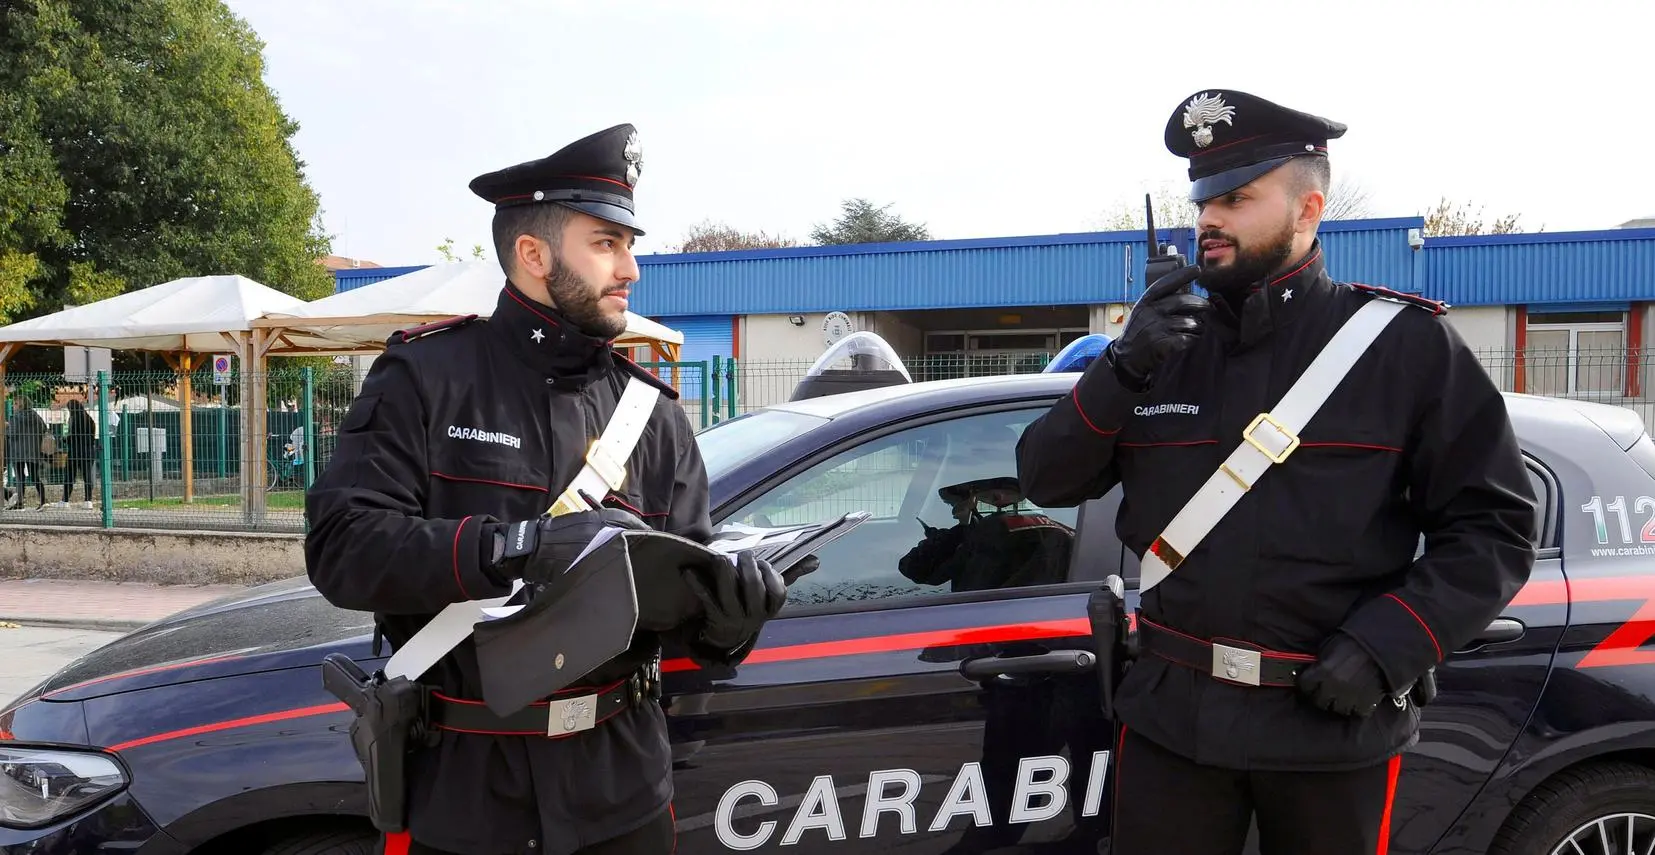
pixel 1236 664
pixel 571 715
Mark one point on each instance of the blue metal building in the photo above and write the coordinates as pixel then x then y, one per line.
pixel 1101 267
pixel 1567 293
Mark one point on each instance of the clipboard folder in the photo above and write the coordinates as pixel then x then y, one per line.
pixel 543 641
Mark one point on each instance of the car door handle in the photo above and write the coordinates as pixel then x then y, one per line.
pixel 1057 662
pixel 1501 630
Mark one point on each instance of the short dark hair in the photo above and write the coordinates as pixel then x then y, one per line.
pixel 542 221
pixel 1311 172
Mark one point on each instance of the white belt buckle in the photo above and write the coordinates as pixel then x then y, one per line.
pixel 1237 665
pixel 571 715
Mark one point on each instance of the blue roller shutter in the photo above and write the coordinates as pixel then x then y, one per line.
pixel 705 336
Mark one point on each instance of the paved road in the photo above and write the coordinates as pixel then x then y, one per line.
pixel 34 653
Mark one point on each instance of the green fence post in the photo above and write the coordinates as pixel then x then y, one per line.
pixel 223 437
pixel 711 394
pixel 701 371
pixel 106 456
pixel 307 411
pixel 730 391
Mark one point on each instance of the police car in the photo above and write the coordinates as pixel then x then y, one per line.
pixel 914 696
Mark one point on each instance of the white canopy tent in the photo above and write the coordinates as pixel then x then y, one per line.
pixel 362 318
pixel 177 319
pixel 199 314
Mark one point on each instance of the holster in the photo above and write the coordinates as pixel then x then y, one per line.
pixel 1111 638
pixel 1424 690
pixel 390 722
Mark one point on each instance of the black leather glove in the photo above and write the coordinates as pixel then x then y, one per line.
pixel 802 568
pixel 1164 322
pixel 738 600
pixel 539 550
pixel 1345 680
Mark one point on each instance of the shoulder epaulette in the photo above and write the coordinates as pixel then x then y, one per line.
pixel 408 335
pixel 1433 306
pixel 644 374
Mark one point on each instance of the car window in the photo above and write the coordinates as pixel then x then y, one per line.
pixel 732 442
pixel 1542 495
pixel 947 515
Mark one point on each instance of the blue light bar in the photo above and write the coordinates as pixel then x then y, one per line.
pixel 1078 354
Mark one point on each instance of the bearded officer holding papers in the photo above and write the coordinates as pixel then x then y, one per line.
pixel 1283 444
pixel 433 515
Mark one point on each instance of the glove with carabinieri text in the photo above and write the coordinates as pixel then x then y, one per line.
pixel 738 601
pixel 539 550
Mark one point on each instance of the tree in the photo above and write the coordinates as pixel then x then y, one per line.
pixel 139 144
pixel 708 236
pixel 446 248
pixel 1457 218
pixel 860 222
pixel 1346 200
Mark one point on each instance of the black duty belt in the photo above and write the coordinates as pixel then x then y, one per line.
pixel 1227 660
pixel 566 713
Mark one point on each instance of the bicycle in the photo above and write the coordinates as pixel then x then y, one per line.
pixel 289 472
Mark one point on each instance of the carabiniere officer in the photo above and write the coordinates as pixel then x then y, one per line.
pixel 1310 583
pixel 466 426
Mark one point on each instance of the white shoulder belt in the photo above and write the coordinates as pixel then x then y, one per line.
pixel 605 470
pixel 1268 439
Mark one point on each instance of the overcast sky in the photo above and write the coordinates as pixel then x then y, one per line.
pixel 975 119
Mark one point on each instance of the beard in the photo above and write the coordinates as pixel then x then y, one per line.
pixel 1249 262
pixel 578 300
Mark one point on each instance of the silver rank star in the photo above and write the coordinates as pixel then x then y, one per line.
pixel 537 335
pixel 1286 294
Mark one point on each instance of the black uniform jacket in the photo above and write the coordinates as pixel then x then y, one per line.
pixel 480 422
pixel 1415 440
pixel 1000 550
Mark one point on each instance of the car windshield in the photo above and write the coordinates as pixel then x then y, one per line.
pixel 729 444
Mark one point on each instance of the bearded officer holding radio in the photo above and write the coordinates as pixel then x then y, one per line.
pixel 464 433
pixel 1287 633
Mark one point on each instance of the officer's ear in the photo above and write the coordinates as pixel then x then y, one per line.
pixel 1307 183
pixel 534 256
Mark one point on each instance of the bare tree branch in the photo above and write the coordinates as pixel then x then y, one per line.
pixel 1346 200
pixel 1457 218
pixel 708 236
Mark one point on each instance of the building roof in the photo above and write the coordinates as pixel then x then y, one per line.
pixel 340 262
pixel 1077 268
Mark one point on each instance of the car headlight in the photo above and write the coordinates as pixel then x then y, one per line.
pixel 39 786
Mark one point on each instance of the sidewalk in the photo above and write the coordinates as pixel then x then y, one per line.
pixel 110 606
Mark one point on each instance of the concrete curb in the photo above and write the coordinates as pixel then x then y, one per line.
pixel 94 624
pixel 162 557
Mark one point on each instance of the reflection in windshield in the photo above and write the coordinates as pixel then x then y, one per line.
pixel 729 444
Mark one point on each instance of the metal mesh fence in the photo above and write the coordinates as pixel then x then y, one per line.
pixel 162 464
pixel 762 383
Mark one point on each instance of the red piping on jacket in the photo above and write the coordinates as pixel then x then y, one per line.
pixel 447 477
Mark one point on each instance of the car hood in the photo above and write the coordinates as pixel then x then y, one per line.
pixel 283 624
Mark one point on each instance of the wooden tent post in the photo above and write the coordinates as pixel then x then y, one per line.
pixel 259 344
pixel 187 428
pixel 180 364
pixel 244 355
